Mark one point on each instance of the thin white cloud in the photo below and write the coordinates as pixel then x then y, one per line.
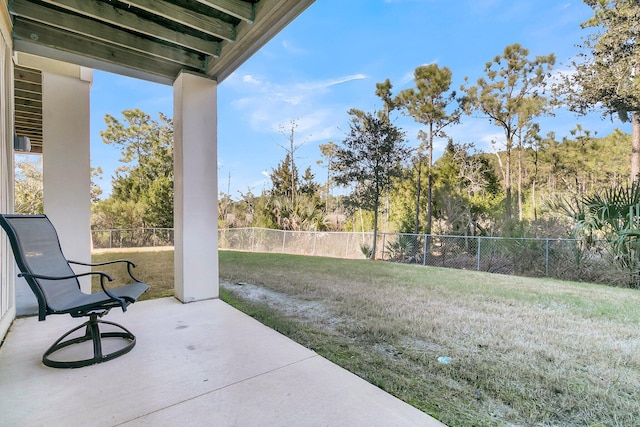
pixel 293 100
pixel 345 79
pixel 324 84
pixel 290 47
pixel 406 78
pixel 269 105
pixel 248 78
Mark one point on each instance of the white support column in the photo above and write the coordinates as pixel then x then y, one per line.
pixel 66 163
pixel 195 187
pixel 7 275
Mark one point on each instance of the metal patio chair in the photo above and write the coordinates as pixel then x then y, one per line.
pixel 39 257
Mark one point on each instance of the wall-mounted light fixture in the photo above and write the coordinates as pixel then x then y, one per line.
pixel 21 143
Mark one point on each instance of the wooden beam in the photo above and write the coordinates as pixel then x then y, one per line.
pixel 24 116
pixel 28 125
pixel 32 103
pixel 34 126
pixel 130 21
pixel 28 96
pixel 25 111
pixel 27 122
pixel 240 9
pixel 271 17
pixel 188 18
pixel 28 111
pixel 28 87
pixel 31 132
pixel 27 33
pixel 103 32
pixel 27 75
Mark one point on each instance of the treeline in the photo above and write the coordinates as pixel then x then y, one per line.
pixel 468 196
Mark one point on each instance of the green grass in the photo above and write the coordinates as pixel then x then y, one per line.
pixel 155 268
pixel 523 351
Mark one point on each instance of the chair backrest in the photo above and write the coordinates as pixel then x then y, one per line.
pixel 37 250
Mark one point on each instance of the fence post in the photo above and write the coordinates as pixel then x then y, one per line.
pixel 315 237
pixel 546 258
pixel 346 250
pixel 384 242
pixel 253 238
pixel 479 240
pixel 110 239
pixel 424 252
pixel 284 239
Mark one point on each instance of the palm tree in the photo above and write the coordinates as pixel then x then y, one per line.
pixel 614 216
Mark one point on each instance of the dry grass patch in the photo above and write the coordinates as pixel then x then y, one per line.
pixel 522 351
pixel 153 267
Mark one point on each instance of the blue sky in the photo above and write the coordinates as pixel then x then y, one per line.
pixel 330 59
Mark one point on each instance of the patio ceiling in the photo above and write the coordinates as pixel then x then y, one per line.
pixel 152 40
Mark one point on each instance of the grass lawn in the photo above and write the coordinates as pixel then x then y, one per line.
pixel 517 351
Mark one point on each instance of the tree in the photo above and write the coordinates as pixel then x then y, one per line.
pixel 308 186
pixel 383 91
pixel 28 187
pixel 284 179
pixel 116 214
pixel 291 151
pixel 305 215
pixel 465 191
pixel 609 75
pixel 96 191
pixel 527 136
pixel 328 151
pixel 428 104
pixel 294 203
pixel 147 153
pixel 612 214
pixel 512 81
pixel 370 157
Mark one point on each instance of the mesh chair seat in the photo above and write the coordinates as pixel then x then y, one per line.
pixel 39 257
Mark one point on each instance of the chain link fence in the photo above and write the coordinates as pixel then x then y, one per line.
pixel 132 238
pixel 568 259
pixel 329 244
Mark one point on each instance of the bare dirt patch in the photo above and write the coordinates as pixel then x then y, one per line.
pixel 288 305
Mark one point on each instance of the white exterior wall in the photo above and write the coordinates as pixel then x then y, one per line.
pixel 7 277
pixel 66 163
pixel 195 188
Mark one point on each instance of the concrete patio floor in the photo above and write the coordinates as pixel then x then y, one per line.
pixel 198 364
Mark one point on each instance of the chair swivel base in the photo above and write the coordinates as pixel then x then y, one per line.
pixel 92 333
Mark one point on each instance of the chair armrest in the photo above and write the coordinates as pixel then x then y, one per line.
pixel 130 265
pixel 73 276
pixel 102 275
pixel 95 264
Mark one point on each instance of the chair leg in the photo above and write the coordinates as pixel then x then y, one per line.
pixel 92 333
